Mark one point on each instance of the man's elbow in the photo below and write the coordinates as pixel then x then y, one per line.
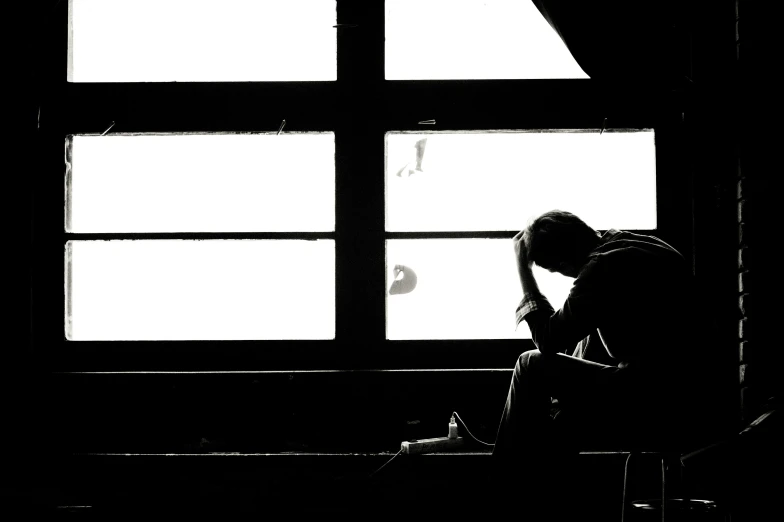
pixel 549 346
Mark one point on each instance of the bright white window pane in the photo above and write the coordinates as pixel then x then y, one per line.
pixel 473 39
pixel 499 180
pixel 200 290
pixel 466 289
pixel 202 183
pixel 202 40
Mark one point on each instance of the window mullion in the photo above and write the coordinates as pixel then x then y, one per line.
pixel 359 158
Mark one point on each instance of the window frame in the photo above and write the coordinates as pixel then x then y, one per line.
pixel 360 107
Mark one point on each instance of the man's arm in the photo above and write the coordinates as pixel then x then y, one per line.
pixel 527 280
pixel 552 331
pixel 534 303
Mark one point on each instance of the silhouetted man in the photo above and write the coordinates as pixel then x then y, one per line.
pixel 613 366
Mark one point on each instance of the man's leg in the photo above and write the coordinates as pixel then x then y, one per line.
pixel 528 452
pixel 525 422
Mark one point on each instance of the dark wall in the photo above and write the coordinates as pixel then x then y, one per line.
pixel 758 107
pixel 358 411
pixel 759 243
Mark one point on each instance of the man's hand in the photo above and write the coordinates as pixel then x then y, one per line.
pixel 524 270
pixel 521 249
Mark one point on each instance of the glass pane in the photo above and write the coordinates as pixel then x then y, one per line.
pixel 473 39
pixel 201 183
pixel 465 289
pixel 499 180
pixel 202 40
pixel 200 290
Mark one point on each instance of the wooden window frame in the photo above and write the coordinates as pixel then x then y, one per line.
pixel 360 108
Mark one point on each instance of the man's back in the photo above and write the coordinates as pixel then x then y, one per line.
pixel 641 299
pixel 644 304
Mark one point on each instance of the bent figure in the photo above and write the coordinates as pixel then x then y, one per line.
pixel 614 366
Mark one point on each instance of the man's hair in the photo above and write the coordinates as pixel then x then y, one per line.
pixel 557 236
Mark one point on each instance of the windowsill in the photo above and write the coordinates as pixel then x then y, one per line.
pixel 366 454
pixel 285 454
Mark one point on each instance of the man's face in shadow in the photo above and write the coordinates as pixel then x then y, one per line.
pixel 564 268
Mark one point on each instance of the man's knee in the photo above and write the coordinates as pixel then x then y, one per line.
pixel 528 362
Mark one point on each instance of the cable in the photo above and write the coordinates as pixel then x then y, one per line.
pixel 469 431
pixel 387 462
pixel 454 413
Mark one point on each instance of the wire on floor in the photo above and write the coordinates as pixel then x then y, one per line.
pixel 469 432
pixel 387 462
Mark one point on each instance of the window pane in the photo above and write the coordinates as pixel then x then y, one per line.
pixel 200 290
pixel 202 183
pixel 202 40
pixel 498 180
pixel 473 39
pixel 465 289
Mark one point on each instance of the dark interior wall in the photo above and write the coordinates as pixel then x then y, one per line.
pixel 710 120
pixel 758 109
pixel 359 411
pixel 730 120
pixel 737 152
pixel 22 385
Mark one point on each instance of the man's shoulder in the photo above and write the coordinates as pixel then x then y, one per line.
pixel 622 242
pixel 623 255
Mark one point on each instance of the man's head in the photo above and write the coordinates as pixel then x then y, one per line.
pixel 559 241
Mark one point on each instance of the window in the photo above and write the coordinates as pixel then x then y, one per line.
pixel 193 41
pixel 467 288
pixel 496 39
pixel 201 183
pixel 187 289
pixel 216 289
pixel 238 160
